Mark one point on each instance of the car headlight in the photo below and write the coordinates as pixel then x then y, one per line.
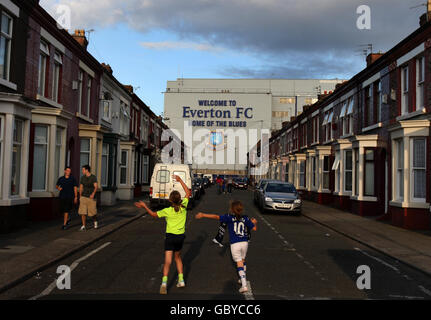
pixel 268 199
pixel 298 201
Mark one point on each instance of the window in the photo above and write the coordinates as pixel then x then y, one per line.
pixel 80 90
pixel 43 66
pixel 286 173
pixel 145 169
pixel 326 172
pixel 302 173
pixel 378 101
pixel 85 153
pixel 420 77
pixel 418 174
pixel 56 86
pixel 348 170
pixel 105 164
pixel 123 166
pixel 400 169
pixel 18 128
pixel 88 95
pixel 356 172
pixel 287 100
pixel 336 167
pixel 162 176
pixel 106 115
pixel 1 150
pixel 58 145
pixel 5 45
pixel 404 90
pixel 314 170
pixel 369 110
pixel 369 173
pixel 315 132
pixel 327 122
pixel 40 157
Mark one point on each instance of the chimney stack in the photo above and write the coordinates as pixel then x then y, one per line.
pixel 373 57
pixel 128 88
pixel 426 17
pixel 107 67
pixel 79 36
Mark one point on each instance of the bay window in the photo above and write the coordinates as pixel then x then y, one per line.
pixel 418 169
pixel 18 128
pixel 123 166
pixel 314 172
pixel 302 173
pixel 85 153
pixel 145 168
pixel 348 163
pixel 5 45
pixel 369 173
pixel 326 172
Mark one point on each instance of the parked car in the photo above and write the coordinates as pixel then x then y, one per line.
pixel 280 196
pixel 240 183
pixel 258 189
pixel 162 183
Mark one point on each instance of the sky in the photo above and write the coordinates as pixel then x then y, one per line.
pixel 150 42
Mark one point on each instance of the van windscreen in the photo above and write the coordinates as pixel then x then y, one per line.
pixel 162 176
pixel 181 174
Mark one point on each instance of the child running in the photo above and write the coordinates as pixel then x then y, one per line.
pixel 175 216
pixel 237 225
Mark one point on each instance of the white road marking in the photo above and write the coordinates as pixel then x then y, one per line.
pixel 405 297
pixel 425 290
pixel 53 285
pixel 379 260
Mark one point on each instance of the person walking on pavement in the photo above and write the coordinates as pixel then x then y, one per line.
pixel 219 183
pixel 68 188
pixel 175 216
pixel 229 184
pixel 237 225
pixel 87 200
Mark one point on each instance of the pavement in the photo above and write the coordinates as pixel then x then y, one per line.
pixel 27 252
pixel 410 247
pixel 330 260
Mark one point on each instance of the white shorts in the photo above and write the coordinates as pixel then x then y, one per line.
pixel 239 250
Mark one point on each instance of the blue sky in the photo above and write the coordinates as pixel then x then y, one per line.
pixel 148 42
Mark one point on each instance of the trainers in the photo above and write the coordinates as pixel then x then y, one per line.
pixel 181 284
pixel 82 228
pixel 96 225
pixel 163 289
pixel 243 290
pixel 216 242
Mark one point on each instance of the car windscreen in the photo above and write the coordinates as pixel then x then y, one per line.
pixel 280 187
pixel 162 176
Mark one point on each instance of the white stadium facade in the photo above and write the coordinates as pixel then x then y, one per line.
pixel 245 107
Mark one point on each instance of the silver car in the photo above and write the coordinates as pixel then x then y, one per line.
pixel 259 189
pixel 280 196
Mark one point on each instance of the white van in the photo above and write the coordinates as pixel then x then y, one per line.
pixel 162 183
pixel 209 176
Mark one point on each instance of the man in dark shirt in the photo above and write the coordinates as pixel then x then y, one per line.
pixel 87 200
pixel 68 188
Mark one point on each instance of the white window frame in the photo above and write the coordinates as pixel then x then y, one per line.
pixel 124 165
pixel 89 151
pixel 106 166
pixel 43 64
pixel 89 84
pixel 46 144
pixel 80 89
pixel 58 63
pixel 328 172
pixel 346 170
pixel 8 38
pixel 107 117
pixel 302 165
pixel 420 83
pixel 404 90
pixel 20 144
pixel 412 169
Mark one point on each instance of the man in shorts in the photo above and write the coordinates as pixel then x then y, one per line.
pixel 68 188
pixel 87 200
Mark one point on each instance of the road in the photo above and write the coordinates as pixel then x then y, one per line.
pixel 289 257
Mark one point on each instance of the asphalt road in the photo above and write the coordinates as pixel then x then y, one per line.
pixel 289 257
